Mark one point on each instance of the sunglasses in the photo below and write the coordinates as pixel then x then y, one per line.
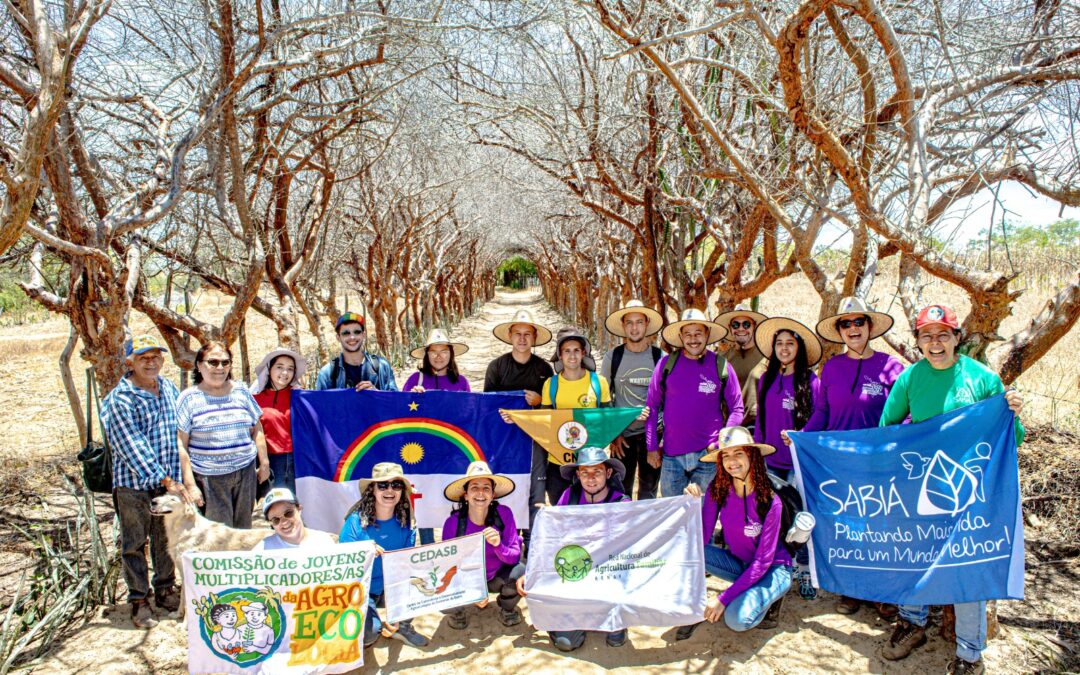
pixel 216 363
pixel 742 324
pixel 287 515
pixel 390 485
pixel 848 323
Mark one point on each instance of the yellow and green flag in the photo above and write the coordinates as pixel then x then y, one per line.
pixel 561 432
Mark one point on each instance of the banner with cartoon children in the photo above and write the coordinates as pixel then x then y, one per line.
pixel 922 514
pixel 435 577
pixel 287 612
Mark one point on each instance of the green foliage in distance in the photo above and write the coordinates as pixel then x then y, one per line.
pixel 515 272
pixel 1064 233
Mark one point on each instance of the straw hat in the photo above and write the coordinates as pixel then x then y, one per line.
pixel 689 316
pixel 503 485
pixel 591 456
pixel 438 336
pixel 386 471
pixel 613 322
pixel 741 309
pixel 736 437
pixel 262 371
pixel 768 329
pixel 502 331
pixel 570 333
pixel 852 306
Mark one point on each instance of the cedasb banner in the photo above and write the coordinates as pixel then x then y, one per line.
pixel 291 611
pixel 339 435
pixel 924 514
pixel 611 566
pixel 435 577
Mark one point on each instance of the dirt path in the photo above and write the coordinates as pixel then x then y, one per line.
pixel 812 636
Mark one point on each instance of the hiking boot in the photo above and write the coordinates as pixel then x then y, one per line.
pixel 906 638
pixel 616 639
pixel 886 610
pixel 141 615
pixel 806 586
pixel 168 599
pixel 685 632
pixel 509 617
pixel 772 617
pixel 459 620
pixel 407 634
pixel 848 606
pixel 961 667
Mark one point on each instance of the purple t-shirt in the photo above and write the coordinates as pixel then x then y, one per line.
pixel 692 418
pixel 778 412
pixel 436 382
pixel 615 496
pixel 853 392
pixel 508 552
pixel 756 544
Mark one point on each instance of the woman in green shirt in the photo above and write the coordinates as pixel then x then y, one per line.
pixel 942 381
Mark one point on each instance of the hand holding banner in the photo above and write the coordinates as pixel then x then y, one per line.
pixel 435 577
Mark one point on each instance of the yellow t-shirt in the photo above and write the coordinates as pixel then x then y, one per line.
pixel 576 394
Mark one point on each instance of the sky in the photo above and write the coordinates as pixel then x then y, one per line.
pixel 1022 207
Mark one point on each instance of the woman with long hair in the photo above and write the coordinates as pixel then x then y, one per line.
pixel 280 371
pixel 438 366
pixel 383 515
pixel 755 560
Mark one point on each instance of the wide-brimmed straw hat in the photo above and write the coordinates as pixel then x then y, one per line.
pixel 853 306
pixel 768 329
pixel 502 331
pixel 386 471
pixel 438 336
pixel 503 485
pixel 740 310
pixel 591 456
pixel 689 316
pixel 262 371
pixel 570 333
pixel 736 437
pixel 613 323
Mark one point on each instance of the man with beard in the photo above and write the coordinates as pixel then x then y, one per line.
pixel 629 368
pixel 354 368
pixel 747 360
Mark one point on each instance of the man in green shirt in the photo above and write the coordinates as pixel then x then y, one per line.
pixel 942 381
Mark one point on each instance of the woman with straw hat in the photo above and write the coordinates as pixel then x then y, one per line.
pixel 438 369
pixel 280 371
pixel 756 562
pixel 854 387
pixel 476 495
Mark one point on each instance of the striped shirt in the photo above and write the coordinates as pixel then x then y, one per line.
pixel 141 429
pixel 218 428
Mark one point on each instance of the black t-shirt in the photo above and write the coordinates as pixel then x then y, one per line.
pixel 506 374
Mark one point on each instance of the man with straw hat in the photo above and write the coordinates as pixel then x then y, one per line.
pixel 521 370
pixel 628 369
pixel 747 360
pixel 688 392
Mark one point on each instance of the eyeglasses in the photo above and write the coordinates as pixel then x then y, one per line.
pixel 216 363
pixel 742 324
pixel 288 515
pixel 858 322
pixel 350 333
pixel 395 485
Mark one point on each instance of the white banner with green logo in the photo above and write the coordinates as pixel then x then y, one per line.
pixel 611 566
pixel 435 577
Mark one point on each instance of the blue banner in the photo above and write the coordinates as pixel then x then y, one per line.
pixel 339 435
pixel 922 514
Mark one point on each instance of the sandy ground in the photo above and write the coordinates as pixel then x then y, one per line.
pixel 812 636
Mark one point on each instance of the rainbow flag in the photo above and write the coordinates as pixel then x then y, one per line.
pixel 562 431
pixel 339 435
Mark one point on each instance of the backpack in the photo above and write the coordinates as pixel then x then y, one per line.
pixel 553 387
pixel 463 520
pixel 669 365
pixel 792 503
pixel 614 485
pixel 616 359
pixel 335 372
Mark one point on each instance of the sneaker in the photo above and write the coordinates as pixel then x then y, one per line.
pixel 848 606
pixel 407 634
pixel 772 617
pixel 141 615
pixel 616 639
pixel 168 599
pixel 563 644
pixel 886 610
pixel 906 638
pixel 459 620
pixel 806 587
pixel 685 632
pixel 961 667
pixel 509 617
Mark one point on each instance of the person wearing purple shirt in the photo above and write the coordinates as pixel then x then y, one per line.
pixel 756 562
pixel 478 511
pixel 690 399
pixel 438 369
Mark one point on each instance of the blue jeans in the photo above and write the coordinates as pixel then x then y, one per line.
pixel 372 623
pixel 284 470
pixel 970 626
pixel 427 535
pixel 749 607
pixel 137 525
pixel 678 471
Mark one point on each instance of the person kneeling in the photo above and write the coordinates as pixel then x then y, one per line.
pixel 756 560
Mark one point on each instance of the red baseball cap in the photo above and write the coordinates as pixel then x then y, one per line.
pixel 932 314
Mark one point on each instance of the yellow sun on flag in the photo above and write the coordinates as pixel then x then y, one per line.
pixel 411 453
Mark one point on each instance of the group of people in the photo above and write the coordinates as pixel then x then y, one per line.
pixel 715 425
